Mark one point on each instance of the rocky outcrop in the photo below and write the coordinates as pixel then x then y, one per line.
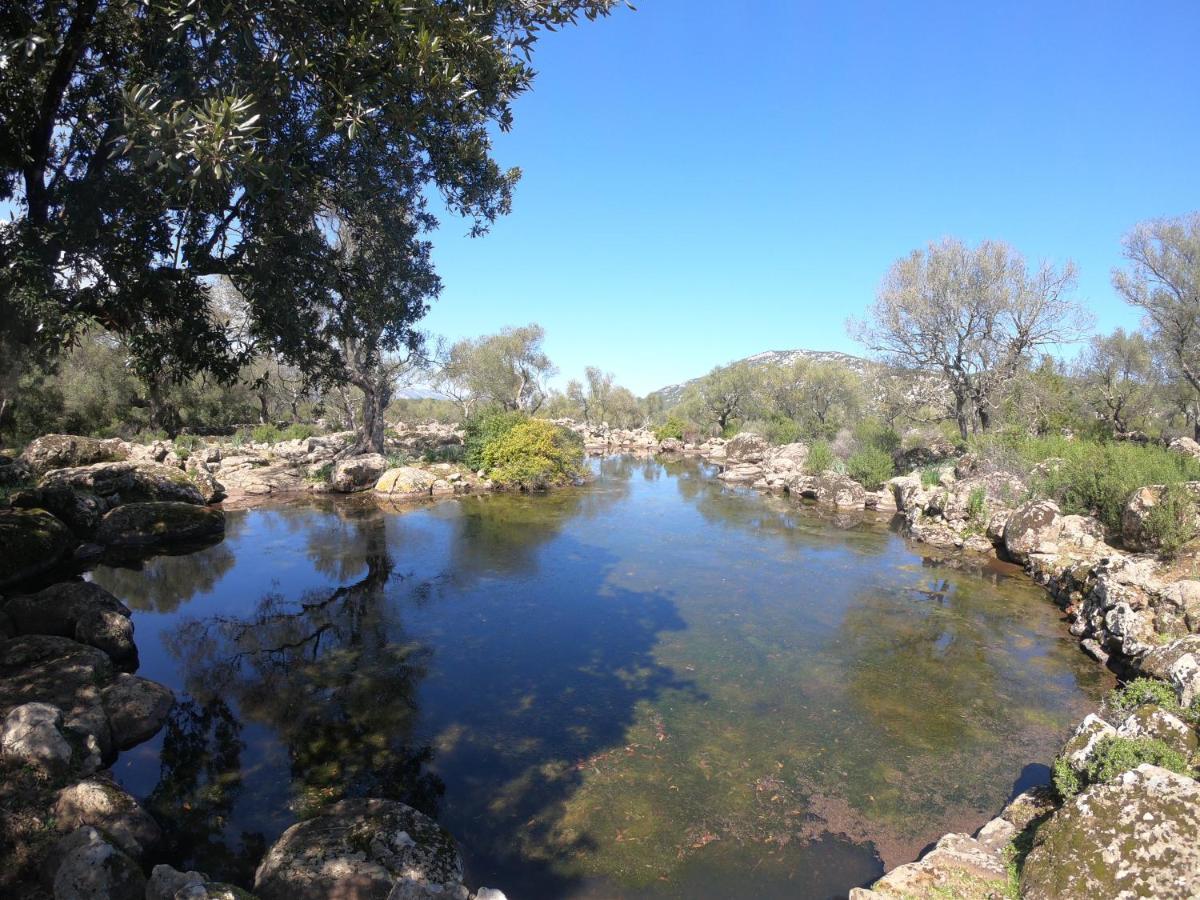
pixel 80 610
pixel 33 542
pixel 32 733
pixel 1178 664
pixel 1138 532
pixel 57 451
pixel 170 884
pixel 1033 527
pixel 1130 837
pixel 362 849
pixel 126 482
pixel 151 525
pixel 102 804
pixel 357 473
pixel 405 483
pixel 746 447
pixel 86 866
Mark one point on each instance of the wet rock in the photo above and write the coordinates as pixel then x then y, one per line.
pixel 76 609
pixel 746 447
pixel 360 849
pixel 1133 836
pixel 32 541
pixel 56 451
pixel 32 733
pixel 1137 532
pixel 1033 527
pixel 80 511
pixel 101 803
pixel 147 525
pixel 85 866
pixel 836 490
pixel 357 473
pixel 405 483
pixel 136 708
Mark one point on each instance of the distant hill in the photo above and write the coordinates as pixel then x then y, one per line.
pixel 770 359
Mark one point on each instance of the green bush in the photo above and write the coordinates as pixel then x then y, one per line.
pixel 533 454
pixel 873 433
pixel 672 428
pixel 779 431
pixel 1065 779
pixel 1141 691
pixel 1098 478
pixel 1114 755
pixel 320 475
pixel 485 428
pixel 977 506
pixel 264 434
pixel 870 467
pixel 186 444
pixel 298 431
pixel 820 458
pixel 1171 522
pixel 931 476
pixel 448 453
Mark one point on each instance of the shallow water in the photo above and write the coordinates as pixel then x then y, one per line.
pixel 652 686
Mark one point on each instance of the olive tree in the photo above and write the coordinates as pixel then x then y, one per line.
pixel 1119 378
pixel 974 315
pixel 508 369
pixel 1163 280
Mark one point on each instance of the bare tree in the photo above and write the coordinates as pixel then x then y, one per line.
pixel 1163 281
pixel 972 314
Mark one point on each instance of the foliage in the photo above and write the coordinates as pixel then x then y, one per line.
pixel 448 453
pixel 1171 522
pixel 931 476
pixel 672 428
pixel 186 444
pixel 777 430
pixel 977 506
pixel 533 454
pixel 870 467
pixel 1119 378
pixel 1114 755
pixel 508 370
pixel 820 458
pixel 1065 779
pixel 298 431
pixel 265 434
pixel 1140 691
pixel 873 433
pixel 320 475
pixel 482 430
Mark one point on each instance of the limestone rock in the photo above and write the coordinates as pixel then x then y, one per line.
pixel 101 803
pixel 1088 733
pixel 360 849
pixel 1178 663
pixel 1134 836
pixel 746 447
pixel 1185 446
pixel 405 483
pixel 136 708
pixel 741 473
pixel 31 733
pixel 210 489
pixel 254 477
pixel 670 445
pixel 111 632
pixel 148 525
pixel 357 473
pixel 1033 527
pixel 84 866
pixel 32 541
pixel 1136 516
pixel 1151 721
pixel 55 451
pixel 58 608
pixel 958 866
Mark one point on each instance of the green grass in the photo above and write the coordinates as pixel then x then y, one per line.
pixel 820 458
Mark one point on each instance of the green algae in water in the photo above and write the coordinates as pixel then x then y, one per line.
pixel 651 686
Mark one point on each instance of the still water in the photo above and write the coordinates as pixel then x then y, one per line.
pixel 652 686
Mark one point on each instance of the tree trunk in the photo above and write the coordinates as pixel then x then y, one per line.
pixel 960 415
pixel 377 394
pixel 264 412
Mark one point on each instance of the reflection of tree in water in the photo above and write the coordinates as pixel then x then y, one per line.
pixel 331 675
pixel 200 779
pixel 163 583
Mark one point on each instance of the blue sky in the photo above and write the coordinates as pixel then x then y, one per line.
pixel 705 180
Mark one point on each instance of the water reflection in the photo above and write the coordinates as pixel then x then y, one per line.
pixel 652 686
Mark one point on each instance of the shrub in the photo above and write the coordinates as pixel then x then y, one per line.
pixel 1114 755
pixel 533 454
pixel 870 467
pixel 298 431
pixel 977 506
pixel 820 458
pixel 448 453
pixel 320 475
pixel 931 476
pixel 1141 691
pixel 396 460
pixel 1065 779
pixel 264 434
pixel 186 444
pixel 672 428
pixel 1171 522
pixel 873 433
pixel 780 431
pixel 484 429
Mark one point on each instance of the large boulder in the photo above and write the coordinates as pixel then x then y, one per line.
pixel 1137 518
pixel 77 609
pixel 86 866
pixel 80 511
pixel 148 525
pixel 362 850
pixel 786 459
pixel 170 884
pixel 405 483
pixel 746 447
pixel 357 473
pixel 32 541
pixel 256 477
pixel 101 803
pixel 1177 663
pixel 57 451
pixel 1134 836
pixel 126 482
pixel 32 733
pixel 137 708
pixel 40 668
pixel 1185 446
pixel 1033 527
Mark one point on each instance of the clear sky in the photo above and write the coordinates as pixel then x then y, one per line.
pixel 705 180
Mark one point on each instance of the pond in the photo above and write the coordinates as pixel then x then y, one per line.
pixel 651 686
